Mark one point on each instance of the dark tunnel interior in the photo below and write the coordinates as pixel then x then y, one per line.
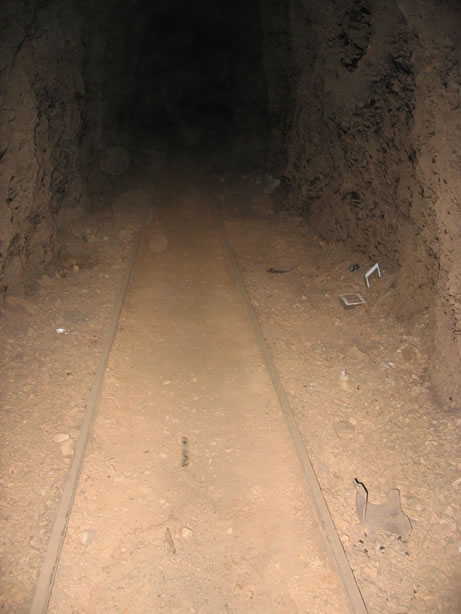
pixel 198 70
pixel 196 75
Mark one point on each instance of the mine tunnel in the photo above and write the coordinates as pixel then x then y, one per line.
pixel 230 280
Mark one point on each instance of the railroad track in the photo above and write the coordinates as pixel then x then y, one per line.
pixel 51 560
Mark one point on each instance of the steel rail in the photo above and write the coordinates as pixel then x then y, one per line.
pixel 50 562
pixel 346 575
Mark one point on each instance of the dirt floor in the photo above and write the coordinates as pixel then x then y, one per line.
pixel 51 340
pixel 191 499
pixel 357 380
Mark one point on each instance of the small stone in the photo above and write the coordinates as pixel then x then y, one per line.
pixel 35 542
pixel 31 332
pixel 229 531
pixel 344 381
pixel 60 438
pixel 87 537
pixel 67 448
pixel 186 532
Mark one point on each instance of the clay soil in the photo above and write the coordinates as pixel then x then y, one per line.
pixel 191 499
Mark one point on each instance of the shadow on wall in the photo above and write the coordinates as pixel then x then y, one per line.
pixel 366 136
pixel 39 131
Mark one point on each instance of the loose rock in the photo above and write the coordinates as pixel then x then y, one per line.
pixel 60 438
pixel 186 532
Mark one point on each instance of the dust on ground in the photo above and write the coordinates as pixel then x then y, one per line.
pixel 357 381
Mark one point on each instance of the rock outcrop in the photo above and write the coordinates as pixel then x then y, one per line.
pixel 364 99
pixel 41 92
pixel 65 69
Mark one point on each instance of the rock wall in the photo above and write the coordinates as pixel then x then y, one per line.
pixel 371 149
pixel 65 68
pixel 41 92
